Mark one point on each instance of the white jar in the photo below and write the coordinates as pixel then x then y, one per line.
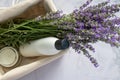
pixel 44 46
pixel 8 57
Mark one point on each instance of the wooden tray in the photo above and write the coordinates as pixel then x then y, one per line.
pixel 28 65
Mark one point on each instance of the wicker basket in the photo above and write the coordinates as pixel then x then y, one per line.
pixel 28 65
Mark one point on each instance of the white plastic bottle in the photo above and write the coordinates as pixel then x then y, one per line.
pixel 44 46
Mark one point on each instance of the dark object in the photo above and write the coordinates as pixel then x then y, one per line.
pixel 62 44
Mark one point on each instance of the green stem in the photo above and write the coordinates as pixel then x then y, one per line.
pixel 17 26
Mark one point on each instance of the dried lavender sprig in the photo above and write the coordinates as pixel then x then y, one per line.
pixel 102 4
pixel 92 59
pixel 85 4
pixel 50 16
pixel 106 9
pixel 78 48
pixel 96 22
pixel 116 21
pixel 98 6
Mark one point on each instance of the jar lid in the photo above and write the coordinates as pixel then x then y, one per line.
pixel 8 56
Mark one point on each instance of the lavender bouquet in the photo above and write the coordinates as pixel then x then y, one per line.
pixel 84 26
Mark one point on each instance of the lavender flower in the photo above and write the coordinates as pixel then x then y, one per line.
pixel 50 16
pixel 90 24
pixel 83 27
pixel 116 21
pixel 86 4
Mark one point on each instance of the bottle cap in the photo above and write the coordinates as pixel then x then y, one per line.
pixel 62 44
pixel 8 56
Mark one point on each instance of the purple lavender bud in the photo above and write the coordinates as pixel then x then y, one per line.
pixel 86 4
pixel 116 21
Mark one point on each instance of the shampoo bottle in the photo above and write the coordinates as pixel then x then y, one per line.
pixel 44 46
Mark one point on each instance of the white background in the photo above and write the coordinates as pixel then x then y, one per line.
pixel 73 66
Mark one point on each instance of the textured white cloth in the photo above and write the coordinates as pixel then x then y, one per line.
pixel 13 11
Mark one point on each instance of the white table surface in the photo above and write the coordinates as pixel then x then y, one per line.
pixel 73 66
